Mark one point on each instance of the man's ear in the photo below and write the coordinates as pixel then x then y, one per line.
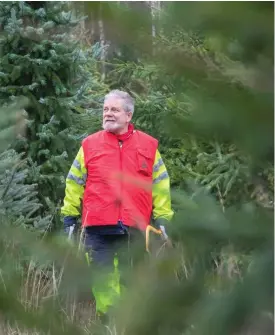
pixel 130 115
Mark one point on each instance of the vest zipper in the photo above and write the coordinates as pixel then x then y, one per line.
pixel 120 143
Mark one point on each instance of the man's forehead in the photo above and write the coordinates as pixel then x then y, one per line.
pixel 113 101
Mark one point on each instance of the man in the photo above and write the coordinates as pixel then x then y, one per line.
pixel 121 180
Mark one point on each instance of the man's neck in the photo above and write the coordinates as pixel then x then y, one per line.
pixel 122 131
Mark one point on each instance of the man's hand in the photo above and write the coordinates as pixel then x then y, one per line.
pixel 69 221
pixel 162 225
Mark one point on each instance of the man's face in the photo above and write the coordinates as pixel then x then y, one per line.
pixel 115 118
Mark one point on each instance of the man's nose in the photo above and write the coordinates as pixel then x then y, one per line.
pixel 107 112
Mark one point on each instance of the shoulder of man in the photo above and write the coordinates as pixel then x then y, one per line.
pixel 146 136
pixel 93 137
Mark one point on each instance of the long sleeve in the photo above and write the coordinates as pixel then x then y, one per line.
pixel 75 185
pixel 161 191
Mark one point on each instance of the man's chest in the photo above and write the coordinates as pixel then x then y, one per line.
pixel 109 158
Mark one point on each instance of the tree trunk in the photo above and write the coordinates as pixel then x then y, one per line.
pixel 155 9
pixel 103 45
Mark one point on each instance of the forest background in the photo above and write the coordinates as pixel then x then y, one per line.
pixel 202 76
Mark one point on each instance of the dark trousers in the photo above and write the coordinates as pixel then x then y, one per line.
pixel 112 257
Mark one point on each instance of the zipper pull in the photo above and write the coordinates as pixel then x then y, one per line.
pixel 120 144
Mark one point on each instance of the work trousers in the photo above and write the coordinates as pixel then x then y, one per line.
pixel 112 257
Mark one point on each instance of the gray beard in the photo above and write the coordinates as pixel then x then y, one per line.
pixel 110 127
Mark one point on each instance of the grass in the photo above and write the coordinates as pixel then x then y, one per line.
pixel 43 284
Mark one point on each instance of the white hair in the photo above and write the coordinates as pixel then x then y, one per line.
pixel 128 101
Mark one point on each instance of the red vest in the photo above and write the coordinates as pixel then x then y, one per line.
pixel 119 180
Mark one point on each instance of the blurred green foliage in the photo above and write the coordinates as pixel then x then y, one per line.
pixel 204 88
pixel 211 108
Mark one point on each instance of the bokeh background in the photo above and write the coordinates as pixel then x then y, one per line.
pixel 202 75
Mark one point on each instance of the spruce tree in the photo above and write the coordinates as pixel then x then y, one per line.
pixel 19 203
pixel 40 60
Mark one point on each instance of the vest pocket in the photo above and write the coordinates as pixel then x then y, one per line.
pixel 144 163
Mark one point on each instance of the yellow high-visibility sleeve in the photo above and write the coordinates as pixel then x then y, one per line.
pixel 161 190
pixel 75 185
